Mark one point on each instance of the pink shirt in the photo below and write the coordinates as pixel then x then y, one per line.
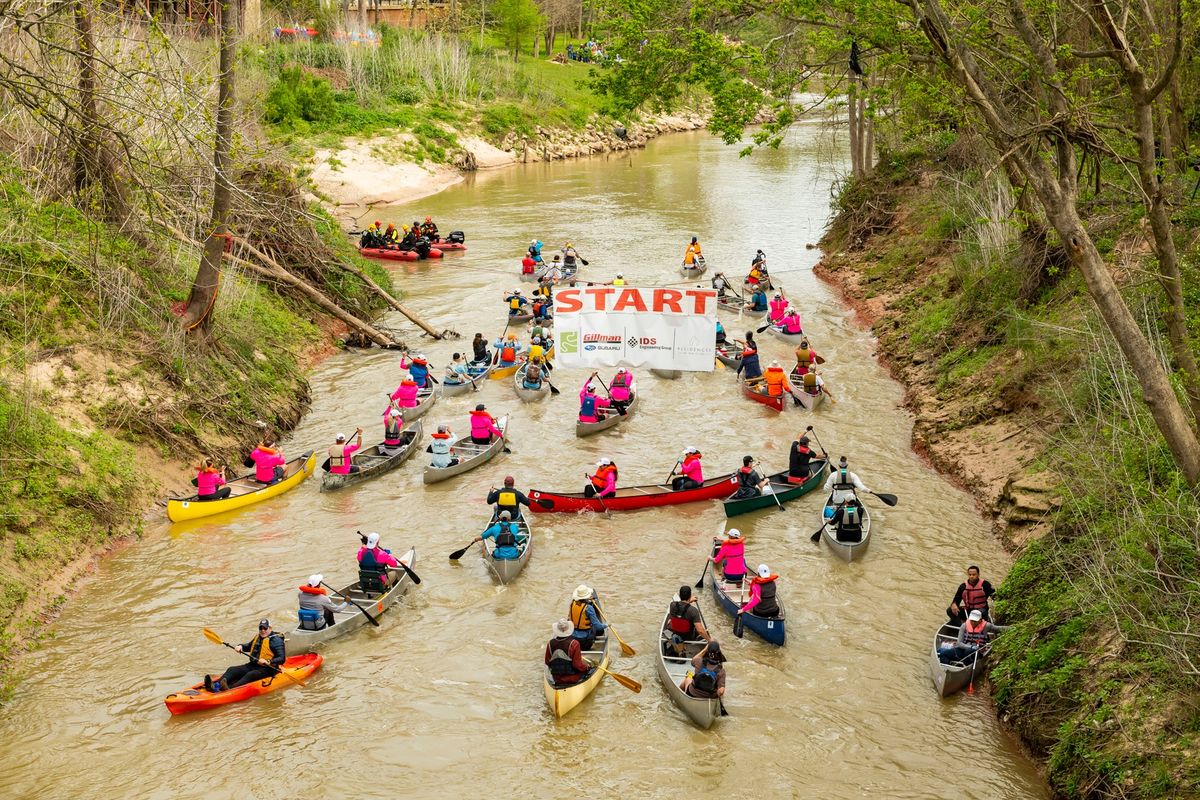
pixel 778 309
pixel 347 451
pixel 381 557
pixel 732 553
pixel 755 596
pixel 207 482
pixel 692 469
pixel 791 323
pixel 601 402
pixel 265 463
pixel 406 395
pixel 621 393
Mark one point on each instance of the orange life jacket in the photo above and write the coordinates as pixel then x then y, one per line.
pixel 776 380
pixel 973 596
pixel 975 635
pixel 508 352
pixel 313 589
pixel 600 479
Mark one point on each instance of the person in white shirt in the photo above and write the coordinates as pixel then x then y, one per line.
pixel 842 482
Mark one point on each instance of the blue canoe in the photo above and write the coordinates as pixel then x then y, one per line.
pixel 770 629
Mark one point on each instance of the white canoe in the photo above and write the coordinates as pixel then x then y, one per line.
pixel 673 669
pixel 847 551
pixel 529 395
pixel 479 373
pixel 469 455
pixel 610 420
pixel 302 640
pixel 506 569
pixel 950 679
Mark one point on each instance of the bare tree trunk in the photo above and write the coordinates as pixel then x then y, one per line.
pixel 550 37
pixel 362 16
pixel 198 313
pixel 412 15
pixel 869 139
pixel 579 32
pixel 1054 182
pixel 862 128
pixel 95 162
pixel 852 111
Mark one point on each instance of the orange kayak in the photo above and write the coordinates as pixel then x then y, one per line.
pixel 198 698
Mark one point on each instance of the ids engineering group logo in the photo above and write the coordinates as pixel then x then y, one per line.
pixel 568 341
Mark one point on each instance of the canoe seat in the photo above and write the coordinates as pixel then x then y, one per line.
pixel 371 582
pixel 311 619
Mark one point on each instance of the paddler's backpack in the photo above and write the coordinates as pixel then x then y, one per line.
pixel 705 680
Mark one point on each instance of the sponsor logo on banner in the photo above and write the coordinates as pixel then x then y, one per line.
pixel 568 341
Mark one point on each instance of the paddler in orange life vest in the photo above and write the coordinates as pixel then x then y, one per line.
pixel 586 617
pixel 405 395
pixel 267 654
pixel 762 601
pixel 483 426
pixel 972 595
pixel 692 254
pixel 806 357
pixel 975 633
pixel 691 474
pixel 393 424
pixel 604 482
pixel 776 380
pixel 621 386
pixel 508 350
pixel 591 405
pixel 316 609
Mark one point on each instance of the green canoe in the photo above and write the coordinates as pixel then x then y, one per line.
pixel 784 491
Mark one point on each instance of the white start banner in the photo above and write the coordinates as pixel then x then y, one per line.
pixel 603 326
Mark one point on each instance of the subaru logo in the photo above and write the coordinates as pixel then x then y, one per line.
pixel 589 347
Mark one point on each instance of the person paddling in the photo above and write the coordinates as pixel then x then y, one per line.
pixel 405 395
pixel 843 483
pixel 692 257
pixel 393 425
pixel 508 499
pixel 604 482
pixel 508 350
pixel 267 652
pixel 789 323
pixel 621 388
pixel 269 463
pixel 777 307
pixel 757 302
pixel 456 371
pixel 974 635
pixel 483 426
pixel 707 678
pixel 591 405
pixel 800 460
pixel 750 369
pixel 691 474
pixel 814 385
pixel 762 600
pixel 972 595
pixel 806 357
pixel 507 536
pixel 316 607
pixel 376 560
pixel 585 616
pixel 750 483
pixel 210 482
pixel 564 656
pixel 479 349
pixel 341 454
pixel 683 620
pixel 441 448
pixel 732 551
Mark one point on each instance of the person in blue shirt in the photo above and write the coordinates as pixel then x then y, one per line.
pixel 720 333
pixel 507 536
pixel 758 300
pixel 585 616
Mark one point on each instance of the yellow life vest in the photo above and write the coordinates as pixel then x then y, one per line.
pixel 514 302
pixel 810 381
pixel 507 498
pixel 535 351
pixel 803 356
pixel 579 615
pixel 618 281
pixel 264 649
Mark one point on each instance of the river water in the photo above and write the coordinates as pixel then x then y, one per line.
pixel 445 699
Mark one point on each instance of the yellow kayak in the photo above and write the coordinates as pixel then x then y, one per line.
pixel 562 700
pixel 245 492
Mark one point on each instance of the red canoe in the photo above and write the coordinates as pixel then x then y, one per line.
pixel 396 255
pixel 632 497
pixel 768 401
pixel 198 698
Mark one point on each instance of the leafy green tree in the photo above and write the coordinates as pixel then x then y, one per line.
pixel 517 21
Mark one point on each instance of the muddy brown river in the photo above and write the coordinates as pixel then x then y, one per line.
pixel 445 700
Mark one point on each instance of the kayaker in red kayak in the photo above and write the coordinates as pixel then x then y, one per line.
pixel 266 652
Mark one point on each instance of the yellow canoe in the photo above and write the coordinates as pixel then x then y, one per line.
pixel 561 701
pixel 500 373
pixel 246 491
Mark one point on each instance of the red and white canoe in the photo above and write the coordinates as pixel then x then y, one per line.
pixel 768 401
pixel 396 255
pixel 631 498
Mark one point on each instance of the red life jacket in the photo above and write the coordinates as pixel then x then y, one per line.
pixel 677 622
pixel 600 479
pixel 313 589
pixel 508 352
pixel 973 597
pixel 975 635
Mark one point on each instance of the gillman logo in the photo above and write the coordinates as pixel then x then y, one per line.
pixel 568 341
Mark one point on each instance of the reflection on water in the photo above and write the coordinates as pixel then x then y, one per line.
pixel 445 699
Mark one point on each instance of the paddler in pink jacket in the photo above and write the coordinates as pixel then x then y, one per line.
pixel 341 455
pixel 405 395
pixel 778 308
pixel 590 403
pixel 269 463
pixel 790 323
pixel 691 474
pixel 733 552
pixel 483 426
pixel 622 385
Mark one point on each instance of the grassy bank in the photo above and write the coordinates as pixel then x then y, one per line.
pixel 993 333
pixel 428 85
pixel 101 391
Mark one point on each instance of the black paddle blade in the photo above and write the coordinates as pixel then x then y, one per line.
pixel 457 554
pixel 415 577
pixel 553 389
pixel 888 499
pixel 739 627
pixel 816 537
pixel 724 713
pixel 763 328
pixel 547 504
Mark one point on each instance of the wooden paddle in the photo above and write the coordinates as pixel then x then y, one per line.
pixel 213 637
pixel 671 474
pixel 496 354
pixel 457 554
pixel 374 621
pixel 626 650
pixel 624 680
